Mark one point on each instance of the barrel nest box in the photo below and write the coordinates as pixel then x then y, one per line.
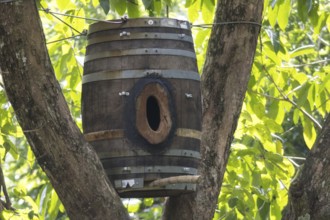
pixel 141 103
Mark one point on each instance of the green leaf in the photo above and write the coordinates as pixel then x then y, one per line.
pixel 147 3
pixel 304 50
pixel 133 205
pixel 320 24
pixel 304 7
pixel 269 166
pixel 232 202
pixel 157 7
pixel 273 126
pixel 207 11
pixel 105 5
pixel 313 14
pixel 309 132
pixel 133 9
pixel 189 3
pixel 274 39
pixel 193 12
pixel 256 178
pixel 272 15
pixel 264 209
pixel 231 216
pixel 148 202
pixel 64 5
pixel 119 6
pixel 54 206
pixel 276 158
pixel 283 14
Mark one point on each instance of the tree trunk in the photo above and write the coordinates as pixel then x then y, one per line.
pixel 224 82
pixel 309 194
pixel 70 163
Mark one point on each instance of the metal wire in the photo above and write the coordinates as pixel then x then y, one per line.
pixel 123 20
pixel 47 10
pixel 67 38
pixel 225 23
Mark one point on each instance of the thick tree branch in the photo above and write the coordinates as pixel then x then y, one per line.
pixel 309 194
pixel 70 163
pixel 225 76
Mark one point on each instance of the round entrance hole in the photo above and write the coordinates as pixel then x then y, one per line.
pixel 153 113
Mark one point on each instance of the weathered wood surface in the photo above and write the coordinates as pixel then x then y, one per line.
pixel 131 142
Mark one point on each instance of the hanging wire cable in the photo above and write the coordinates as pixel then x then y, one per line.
pixel 47 10
pixel 66 23
pixel 123 20
pixel 225 23
pixel 80 33
pixel 83 34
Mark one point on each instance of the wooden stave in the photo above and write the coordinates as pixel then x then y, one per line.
pixel 181 63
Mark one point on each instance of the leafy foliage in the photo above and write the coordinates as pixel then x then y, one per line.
pixel 287 99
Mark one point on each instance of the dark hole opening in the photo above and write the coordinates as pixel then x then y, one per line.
pixel 153 113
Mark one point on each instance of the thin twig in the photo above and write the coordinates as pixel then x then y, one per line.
pixel 267 96
pixel 7 203
pixel 286 98
pixel 306 64
pixel 295 158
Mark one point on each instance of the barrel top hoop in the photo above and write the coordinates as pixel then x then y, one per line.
pixel 139 36
pixel 134 74
pixel 139 52
pixel 140 22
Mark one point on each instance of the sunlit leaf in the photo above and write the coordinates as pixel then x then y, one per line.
pixel 309 132
pixel 133 9
pixel 283 14
pixel 304 50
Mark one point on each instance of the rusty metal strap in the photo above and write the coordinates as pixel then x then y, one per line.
pixel 134 74
pixel 102 135
pixel 138 36
pixel 139 52
pixel 190 133
pixel 120 133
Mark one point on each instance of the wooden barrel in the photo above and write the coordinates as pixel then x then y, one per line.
pixel 141 103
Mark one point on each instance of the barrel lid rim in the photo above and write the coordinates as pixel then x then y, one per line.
pixel 140 22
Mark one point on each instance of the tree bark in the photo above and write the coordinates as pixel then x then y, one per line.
pixel 309 194
pixel 70 163
pixel 224 82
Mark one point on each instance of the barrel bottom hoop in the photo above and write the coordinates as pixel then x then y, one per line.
pixel 170 190
pixel 141 153
pixel 119 185
pixel 120 133
pixel 144 170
